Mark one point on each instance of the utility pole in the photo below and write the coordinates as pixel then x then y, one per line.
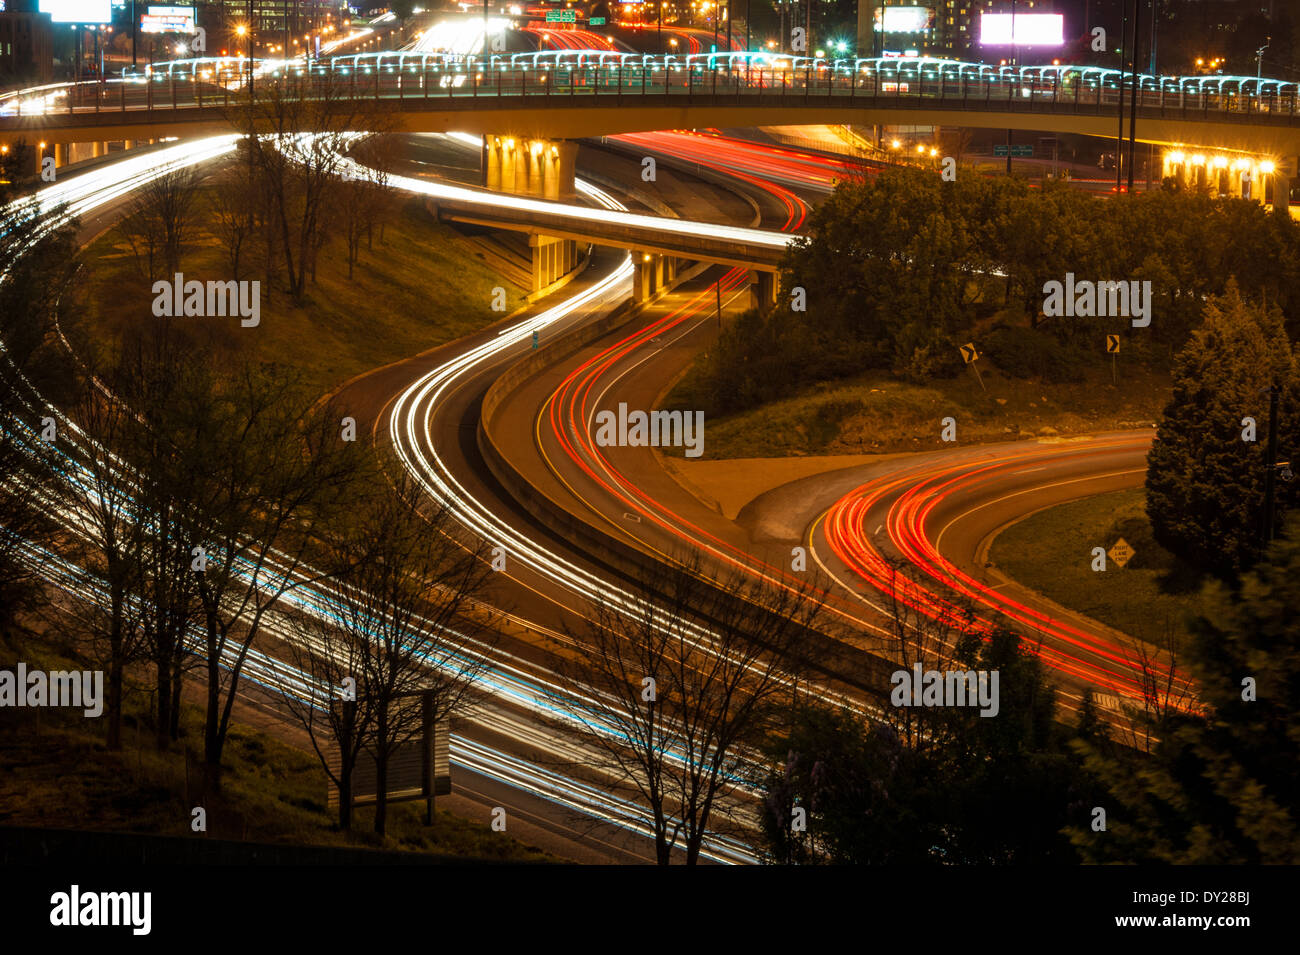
pixel 1014 62
pixel 1259 58
pixel 1270 475
pixel 250 49
pixel 1155 20
pixel 1119 136
pixel 661 28
pixel 746 32
pixel 135 28
pixel 1133 113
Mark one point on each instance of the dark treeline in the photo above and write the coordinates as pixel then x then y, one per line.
pixel 902 269
pixel 1165 781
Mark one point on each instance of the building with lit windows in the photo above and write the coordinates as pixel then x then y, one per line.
pixel 277 25
pixel 946 28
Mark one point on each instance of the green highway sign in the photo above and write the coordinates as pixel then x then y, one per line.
pixel 1019 152
pixel 597 21
pixel 561 16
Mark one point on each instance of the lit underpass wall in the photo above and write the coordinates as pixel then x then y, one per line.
pixel 544 169
pixel 1235 175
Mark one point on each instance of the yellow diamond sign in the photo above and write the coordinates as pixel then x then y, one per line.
pixel 1121 553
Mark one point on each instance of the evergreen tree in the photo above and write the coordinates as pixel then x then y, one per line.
pixel 1223 786
pixel 1205 480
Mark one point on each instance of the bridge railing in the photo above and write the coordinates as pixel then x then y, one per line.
pixel 737 78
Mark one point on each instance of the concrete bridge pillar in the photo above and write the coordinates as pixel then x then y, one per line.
pixel 762 290
pixel 492 158
pixel 531 167
pixel 553 258
pixel 644 267
pixel 1282 175
pixel 563 157
pixel 60 155
pixel 1219 174
pixel 1234 178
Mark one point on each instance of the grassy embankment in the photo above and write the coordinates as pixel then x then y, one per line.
pixel 1150 598
pixel 420 288
pixel 879 413
pixel 56 772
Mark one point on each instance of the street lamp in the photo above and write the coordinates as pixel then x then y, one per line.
pixel 250 49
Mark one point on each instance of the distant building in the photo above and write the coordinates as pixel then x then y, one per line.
pixel 945 28
pixel 26 45
pixel 281 23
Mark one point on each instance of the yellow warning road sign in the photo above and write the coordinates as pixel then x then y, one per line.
pixel 968 352
pixel 1112 344
pixel 1121 553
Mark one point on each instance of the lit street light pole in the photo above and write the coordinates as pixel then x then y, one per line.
pixel 1119 136
pixel 250 49
pixel 1015 62
pixel 1133 112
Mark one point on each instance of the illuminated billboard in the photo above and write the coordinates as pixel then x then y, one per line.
pixel 1031 29
pixel 903 19
pixel 78 11
pixel 169 20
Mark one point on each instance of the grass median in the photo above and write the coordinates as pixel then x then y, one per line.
pixel 1152 597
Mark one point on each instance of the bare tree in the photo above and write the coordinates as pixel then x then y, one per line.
pixel 234 207
pixel 36 267
pixel 1165 691
pixel 378 153
pixel 402 620
pixel 159 221
pixel 296 136
pixel 273 467
pixel 132 495
pixel 101 495
pixel 674 687
pixel 923 628
pixel 364 195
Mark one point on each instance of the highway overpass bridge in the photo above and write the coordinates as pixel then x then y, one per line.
pixel 573 94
